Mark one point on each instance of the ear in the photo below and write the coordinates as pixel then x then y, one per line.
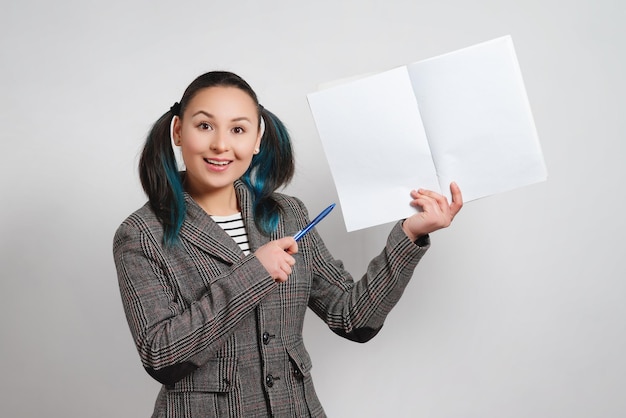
pixel 257 144
pixel 175 131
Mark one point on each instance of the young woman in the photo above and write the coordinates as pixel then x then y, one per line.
pixel 214 286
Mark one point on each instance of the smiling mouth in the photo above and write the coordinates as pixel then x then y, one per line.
pixel 216 162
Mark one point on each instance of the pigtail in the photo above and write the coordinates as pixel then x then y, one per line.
pixel 270 169
pixel 160 178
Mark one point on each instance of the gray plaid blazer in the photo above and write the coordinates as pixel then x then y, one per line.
pixel 222 337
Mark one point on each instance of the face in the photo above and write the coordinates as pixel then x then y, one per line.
pixel 218 135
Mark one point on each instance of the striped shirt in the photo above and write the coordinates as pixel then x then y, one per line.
pixel 234 227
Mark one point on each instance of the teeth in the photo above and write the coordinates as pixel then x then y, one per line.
pixel 217 162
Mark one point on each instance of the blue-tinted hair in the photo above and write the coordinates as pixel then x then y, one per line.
pixel 270 169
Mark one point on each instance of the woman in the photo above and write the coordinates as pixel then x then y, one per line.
pixel 213 284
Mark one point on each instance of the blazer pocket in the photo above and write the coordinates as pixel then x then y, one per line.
pixel 216 375
pixel 300 358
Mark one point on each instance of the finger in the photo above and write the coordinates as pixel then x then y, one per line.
pixel 423 192
pixel 457 199
pixel 282 274
pixel 427 206
pixel 287 269
pixel 439 201
pixel 280 279
pixel 421 195
pixel 288 244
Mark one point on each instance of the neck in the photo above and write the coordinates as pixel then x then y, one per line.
pixel 220 202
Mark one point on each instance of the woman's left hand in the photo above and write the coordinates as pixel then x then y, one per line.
pixel 436 212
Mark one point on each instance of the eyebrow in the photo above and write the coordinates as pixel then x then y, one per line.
pixel 208 115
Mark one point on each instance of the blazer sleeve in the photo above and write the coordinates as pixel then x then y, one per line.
pixel 173 339
pixel 357 310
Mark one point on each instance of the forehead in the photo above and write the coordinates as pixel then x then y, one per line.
pixel 228 101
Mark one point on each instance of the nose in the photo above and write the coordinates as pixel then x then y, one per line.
pixel 219 142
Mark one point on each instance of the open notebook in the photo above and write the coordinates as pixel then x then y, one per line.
pixel 462 116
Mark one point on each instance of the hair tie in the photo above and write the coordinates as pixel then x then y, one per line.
pixel 175 109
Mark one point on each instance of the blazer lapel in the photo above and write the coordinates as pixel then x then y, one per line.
pixel 255 237
pixel 200 230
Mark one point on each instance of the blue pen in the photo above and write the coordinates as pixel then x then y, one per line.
pixel 314 222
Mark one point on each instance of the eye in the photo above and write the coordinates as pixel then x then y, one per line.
pixel 238 130
pixel 204 126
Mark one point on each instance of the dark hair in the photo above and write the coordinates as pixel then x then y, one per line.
pixel 270 169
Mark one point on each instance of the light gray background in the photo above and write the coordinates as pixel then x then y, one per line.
pixel 518 310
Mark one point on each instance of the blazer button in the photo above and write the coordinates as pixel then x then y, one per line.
pixel 267 337
pixel 269 380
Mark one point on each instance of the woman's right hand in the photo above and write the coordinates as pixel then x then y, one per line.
pixel 276 257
